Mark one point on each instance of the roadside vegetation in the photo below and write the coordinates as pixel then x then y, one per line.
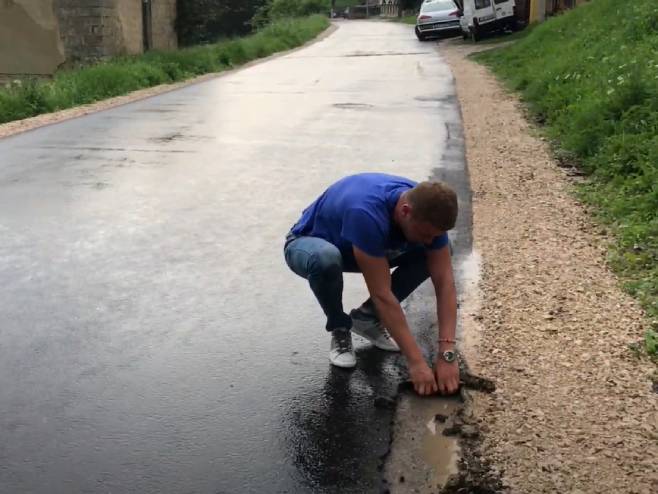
pixel 273 10
pixel 407 19
pixel 590 77
pixel 69 88
pixel 343 4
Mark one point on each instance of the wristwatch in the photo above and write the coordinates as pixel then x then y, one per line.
pixel 449 356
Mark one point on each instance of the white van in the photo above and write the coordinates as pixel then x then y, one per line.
pixel 482 16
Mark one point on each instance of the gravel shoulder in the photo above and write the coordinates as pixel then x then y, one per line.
pixel 574 409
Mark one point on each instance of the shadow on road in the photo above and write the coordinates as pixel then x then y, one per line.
pixel 343 424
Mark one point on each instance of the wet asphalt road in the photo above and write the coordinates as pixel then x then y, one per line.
pixel 152 339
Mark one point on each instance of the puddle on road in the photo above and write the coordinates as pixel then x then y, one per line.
pixel 155 110
pixel 388 54
pixel 353 106
pixel 167 138
pixel 112 149
pixel 422 458
pixel 438 450
pixel 437 99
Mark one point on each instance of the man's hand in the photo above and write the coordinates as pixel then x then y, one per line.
pixel 447 376
pixel 423 378
pixel 440 267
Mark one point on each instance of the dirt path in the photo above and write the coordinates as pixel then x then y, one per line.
pixel 574 411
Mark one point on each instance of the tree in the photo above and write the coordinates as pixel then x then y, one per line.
pixel 205 21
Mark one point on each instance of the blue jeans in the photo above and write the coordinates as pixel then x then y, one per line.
pixel 322 264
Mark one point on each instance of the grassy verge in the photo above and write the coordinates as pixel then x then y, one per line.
pixel 407 19
pixel 123 75
pixel 591 77
pixel 497 38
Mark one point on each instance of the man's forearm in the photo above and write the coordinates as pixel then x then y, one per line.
pixel 392 317
pixel 446 304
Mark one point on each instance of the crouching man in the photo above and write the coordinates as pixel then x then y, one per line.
pixel 369 223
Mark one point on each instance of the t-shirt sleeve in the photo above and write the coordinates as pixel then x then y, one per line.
pixel 364 232
pixel 439 242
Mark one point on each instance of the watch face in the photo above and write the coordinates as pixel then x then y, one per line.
pixel 449 356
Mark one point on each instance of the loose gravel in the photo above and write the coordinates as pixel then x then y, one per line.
pixel 574 410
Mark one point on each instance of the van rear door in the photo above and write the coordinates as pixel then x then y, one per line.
pixel 484 12
pixel 504 8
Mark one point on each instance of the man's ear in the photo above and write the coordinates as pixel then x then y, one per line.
pixel 406 209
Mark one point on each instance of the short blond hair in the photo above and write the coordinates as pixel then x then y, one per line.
pixel 434 202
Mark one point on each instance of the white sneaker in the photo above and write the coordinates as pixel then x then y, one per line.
pixel 341 353
pixel 371 329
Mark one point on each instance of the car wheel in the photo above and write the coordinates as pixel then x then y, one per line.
pixel 419 35
pixel 465 35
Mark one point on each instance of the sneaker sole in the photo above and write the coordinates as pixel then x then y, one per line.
pixel 341 366
pixel 374 342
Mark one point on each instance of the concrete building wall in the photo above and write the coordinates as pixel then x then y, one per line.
pixel 38 36
pixel 164 29
pixel 129 18
pixel 29 38
pixel 89 29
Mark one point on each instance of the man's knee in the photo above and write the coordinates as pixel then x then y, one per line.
pixel 327 263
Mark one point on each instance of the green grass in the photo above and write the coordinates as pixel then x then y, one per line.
pixel 125 74
pixel 342 4
pixel 591 77
pixel 651 342
pixel 407 19
pixel 497 38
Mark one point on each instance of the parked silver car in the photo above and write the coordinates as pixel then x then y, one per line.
pixel 437 17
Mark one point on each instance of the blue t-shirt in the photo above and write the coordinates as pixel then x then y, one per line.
pixel 358 211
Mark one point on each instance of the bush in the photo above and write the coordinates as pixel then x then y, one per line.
pixel 23 99
pixel 206 21
pixel 278 9
pixel 591 76
pixel 298 8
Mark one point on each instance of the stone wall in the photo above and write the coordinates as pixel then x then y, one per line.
pixel 164 19
pixel 38 36
pixel 89 29
pixel 129 19
pixel 29 38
